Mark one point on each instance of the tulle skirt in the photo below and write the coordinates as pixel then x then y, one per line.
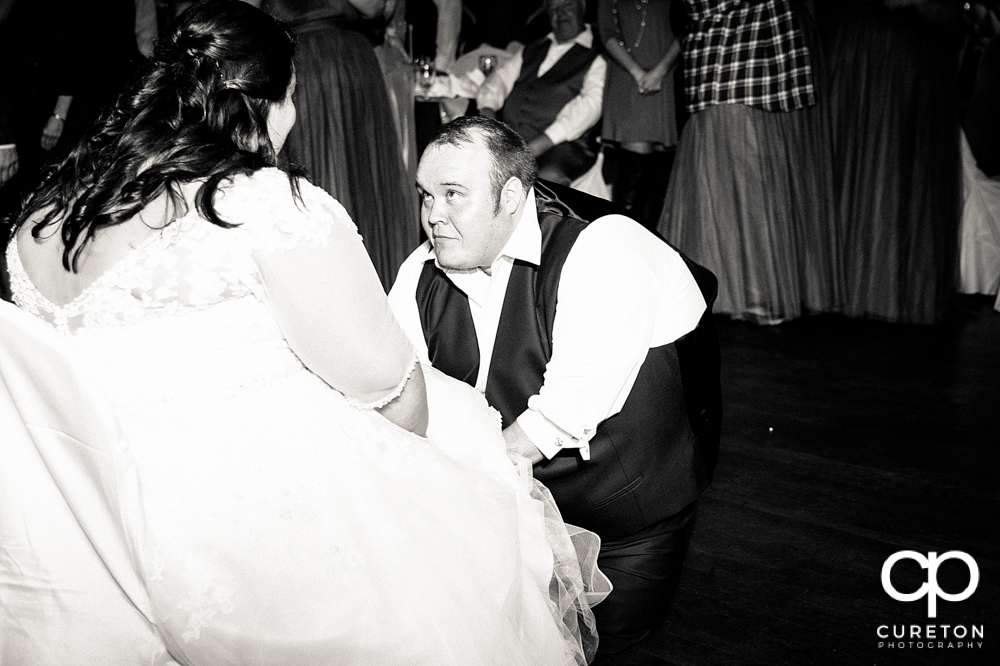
pixel 346 138
pixel 896 154
pixel 751 198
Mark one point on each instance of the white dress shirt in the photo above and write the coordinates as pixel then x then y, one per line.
pixel 580 113
pixel 621 292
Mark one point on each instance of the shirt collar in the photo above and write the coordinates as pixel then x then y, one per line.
pixel 584 39
pixel 526 241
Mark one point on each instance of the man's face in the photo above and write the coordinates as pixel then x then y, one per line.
pixel 456 207
pixel 566 18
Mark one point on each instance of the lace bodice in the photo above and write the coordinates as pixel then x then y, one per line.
pixel 293 270
pixel 193 264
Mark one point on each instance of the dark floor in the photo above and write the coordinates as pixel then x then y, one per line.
pixel 844 442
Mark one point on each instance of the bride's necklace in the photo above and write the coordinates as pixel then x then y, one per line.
pixel 640 6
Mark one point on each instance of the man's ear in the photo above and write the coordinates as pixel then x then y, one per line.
pixel 511 195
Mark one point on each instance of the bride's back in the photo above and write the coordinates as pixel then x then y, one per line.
pixel 41 258
pixel 198 117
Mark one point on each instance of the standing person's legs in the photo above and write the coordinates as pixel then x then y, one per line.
pixel 656 168
pixel 565 162
pixel 640 184
pixel 625 190
pixel 645 570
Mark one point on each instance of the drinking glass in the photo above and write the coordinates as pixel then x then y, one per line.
pixel 425 75
pixel 487 63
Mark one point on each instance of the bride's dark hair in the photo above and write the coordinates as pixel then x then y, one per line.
pixel 199 112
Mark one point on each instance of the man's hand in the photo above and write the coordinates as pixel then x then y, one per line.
pixel 518 442
pixel 540 145
pixel 8 163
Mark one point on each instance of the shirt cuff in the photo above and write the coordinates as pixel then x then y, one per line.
pixel 548 437
pixel 489 100
pixel 556 133
pixel 7 146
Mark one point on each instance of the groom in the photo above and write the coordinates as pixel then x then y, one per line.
pixel 593 340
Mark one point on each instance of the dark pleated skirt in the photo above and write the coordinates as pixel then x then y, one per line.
pixel 346 139
pixel 897 160
pixel 751 197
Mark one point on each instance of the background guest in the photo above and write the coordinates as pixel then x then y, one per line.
pixel 981 114
pixel 345 136
pixel 396 61
pixel 551 93
pixel 435 28
pixel 751 194
pixel 979 94
pixel 893 67
pixel 61 64
pixel 639 108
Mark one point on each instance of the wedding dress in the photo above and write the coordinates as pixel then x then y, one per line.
pixel 275 520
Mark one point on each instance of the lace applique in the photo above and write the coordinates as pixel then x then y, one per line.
pixel 273 219
pixel 385 400
pixel 193 264
pixel 99 302
pixel 203 606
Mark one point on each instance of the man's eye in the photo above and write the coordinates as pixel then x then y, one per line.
pixel 425 197
pixel 452 194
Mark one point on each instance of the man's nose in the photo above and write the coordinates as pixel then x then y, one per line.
pixel 436 213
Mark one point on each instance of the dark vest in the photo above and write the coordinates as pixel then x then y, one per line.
pixel 647 461
pixel 534 102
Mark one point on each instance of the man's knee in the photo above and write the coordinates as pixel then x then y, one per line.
pixel 645 570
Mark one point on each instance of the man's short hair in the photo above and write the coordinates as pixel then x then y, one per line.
pixel 511 157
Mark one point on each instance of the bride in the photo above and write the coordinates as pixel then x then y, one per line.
pixel 282 503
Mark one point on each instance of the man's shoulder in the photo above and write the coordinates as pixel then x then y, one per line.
pixel 614 232
pixel 566 201
pixel 409 270
pixel 617 244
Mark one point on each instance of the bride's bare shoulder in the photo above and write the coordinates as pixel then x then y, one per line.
pixel 40 249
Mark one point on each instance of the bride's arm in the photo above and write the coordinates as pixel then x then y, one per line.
pixel 409 410
pixel 330 306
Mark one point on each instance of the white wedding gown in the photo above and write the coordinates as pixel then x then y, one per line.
pixel 273 520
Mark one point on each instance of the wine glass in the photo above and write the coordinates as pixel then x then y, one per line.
pixel 425 75
pixel 487 63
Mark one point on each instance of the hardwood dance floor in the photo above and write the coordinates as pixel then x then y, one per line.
pixel 844 442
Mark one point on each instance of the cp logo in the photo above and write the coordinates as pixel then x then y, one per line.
pixel 930 588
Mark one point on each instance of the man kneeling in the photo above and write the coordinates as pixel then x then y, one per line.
pixel 593 340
